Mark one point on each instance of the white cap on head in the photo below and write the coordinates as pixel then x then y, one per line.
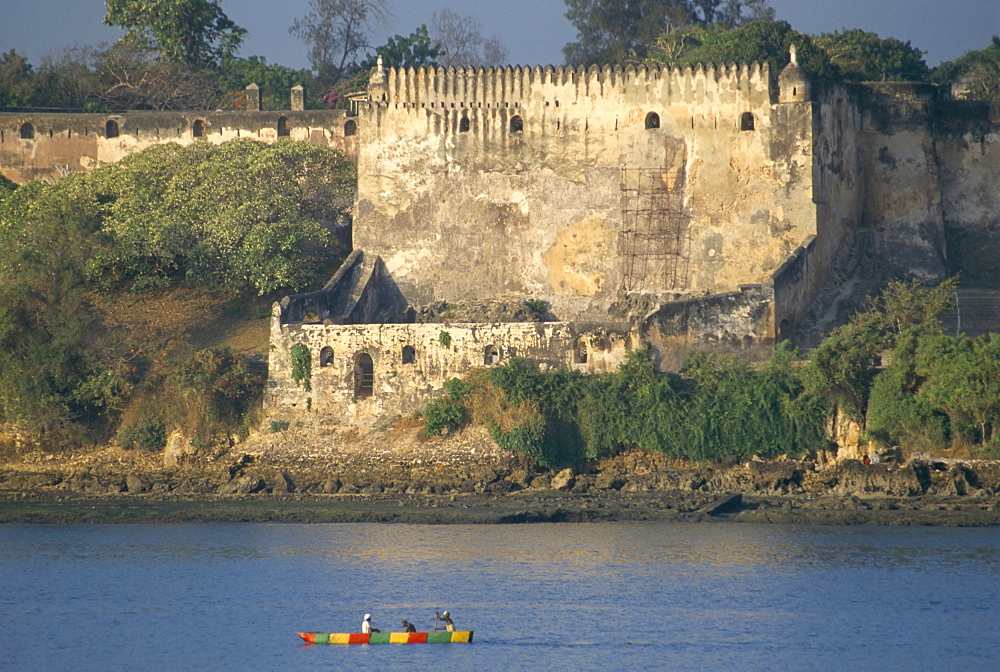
pixel 446 614
pixel 368 616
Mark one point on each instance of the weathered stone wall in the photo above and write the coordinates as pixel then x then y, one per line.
pixel 968 151
pixel 64 143
pixel 439 352
pixel 460 198
pixel 901 176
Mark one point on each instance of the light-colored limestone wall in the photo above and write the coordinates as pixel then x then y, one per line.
pixel 399 388
pixel 67 143
pixel 459 214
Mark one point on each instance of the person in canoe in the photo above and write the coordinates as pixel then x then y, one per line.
pixel 409 627
pixel 366 626
pixel 446 617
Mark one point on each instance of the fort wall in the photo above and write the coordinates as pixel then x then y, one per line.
pixel 48 146
pixel 512 181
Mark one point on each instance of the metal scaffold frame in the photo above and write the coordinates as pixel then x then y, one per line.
pixel 655 237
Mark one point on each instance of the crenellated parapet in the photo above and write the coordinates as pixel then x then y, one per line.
pixel 521 85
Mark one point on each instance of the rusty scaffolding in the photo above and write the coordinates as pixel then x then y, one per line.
pixel 655 237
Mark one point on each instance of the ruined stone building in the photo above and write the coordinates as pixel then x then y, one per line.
pixel 568 215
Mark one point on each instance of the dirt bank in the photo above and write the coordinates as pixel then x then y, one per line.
pixel 338 474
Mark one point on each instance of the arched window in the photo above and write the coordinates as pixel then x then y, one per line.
pixel 491 355
pixel 111 129
pixel 580 352
pixel 350 128
pixel 652 120
pixel 326 356
pixel 516 124
pixel 282 127
pixel 198 128
pixel 27 131
pixel 364 376
pixel 409 354
pixel 746 121
pixel 463 125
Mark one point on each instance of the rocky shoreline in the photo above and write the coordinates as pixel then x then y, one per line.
pixel 394 476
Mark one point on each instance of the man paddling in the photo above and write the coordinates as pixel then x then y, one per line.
pixel 446 617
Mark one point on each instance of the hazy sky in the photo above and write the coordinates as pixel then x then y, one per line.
pixel 534 32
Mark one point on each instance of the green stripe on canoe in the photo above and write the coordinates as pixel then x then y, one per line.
pixel 438 637
pixel 379 638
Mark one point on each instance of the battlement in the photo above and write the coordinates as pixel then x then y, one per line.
pixel 523 85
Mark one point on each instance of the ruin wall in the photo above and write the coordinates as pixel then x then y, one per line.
pixel 403 382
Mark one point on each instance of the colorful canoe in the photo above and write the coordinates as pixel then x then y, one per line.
pixel 440 637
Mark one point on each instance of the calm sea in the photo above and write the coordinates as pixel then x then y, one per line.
pixel 615 596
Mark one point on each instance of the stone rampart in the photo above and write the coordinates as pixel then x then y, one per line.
pixel 48 146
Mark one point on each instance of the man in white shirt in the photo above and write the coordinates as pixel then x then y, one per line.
pixel 366 626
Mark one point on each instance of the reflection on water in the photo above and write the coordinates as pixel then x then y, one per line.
pixel 638 596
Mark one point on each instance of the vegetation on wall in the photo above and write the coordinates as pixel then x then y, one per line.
pixel 301 366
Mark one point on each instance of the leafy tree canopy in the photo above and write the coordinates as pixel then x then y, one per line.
pixel 195 32
pixel 412 51
pixel 753 42
pixel 865 57
pixel 620 31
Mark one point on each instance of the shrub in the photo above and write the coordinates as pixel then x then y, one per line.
pixel 148 435
pixel 278 426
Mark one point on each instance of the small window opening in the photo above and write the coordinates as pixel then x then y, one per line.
pixel 491 355
pixel 516 124
pixel 784 330
pixel 580 352
pixel 652 120
pixel 351 127
pixel 746 121
pixel 326 356
pixel 463 125
pixel 27 131
pixel 283 131
pixel 111 129
pixel 795 90
pixel 364 376
pixel 198 128
pixel 409 354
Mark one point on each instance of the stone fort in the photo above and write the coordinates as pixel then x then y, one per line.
pixel 568 215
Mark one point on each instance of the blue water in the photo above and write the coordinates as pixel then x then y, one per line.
pixel 558 597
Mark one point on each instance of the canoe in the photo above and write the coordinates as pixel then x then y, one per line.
pixel 439 637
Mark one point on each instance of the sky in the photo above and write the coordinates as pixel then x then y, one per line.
pixel 533 31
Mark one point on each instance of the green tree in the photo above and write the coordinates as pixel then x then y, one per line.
pixel 754 42
pixel 975 75
pixel 412 51
pixel 275 81
pixel 864 57
pixel 17 85
pixel 619 31
pixel 843 367
pixel 238 215
pixel 56 369
pixel 195 32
